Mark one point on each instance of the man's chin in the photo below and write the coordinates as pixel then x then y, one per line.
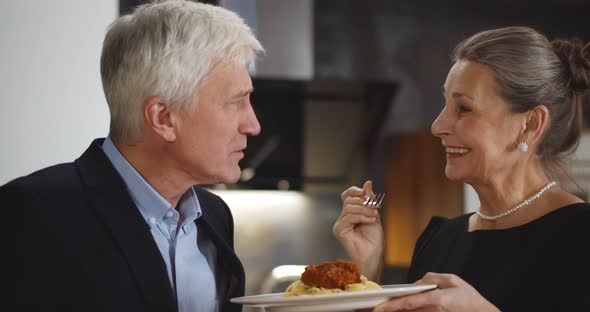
pixel 231 177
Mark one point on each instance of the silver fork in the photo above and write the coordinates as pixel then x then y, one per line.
pixel 374 201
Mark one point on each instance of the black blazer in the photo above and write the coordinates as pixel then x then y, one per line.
pixel 77 242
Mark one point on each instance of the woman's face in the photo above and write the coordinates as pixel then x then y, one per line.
pixel 476 127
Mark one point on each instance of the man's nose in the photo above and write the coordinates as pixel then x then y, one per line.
pixel 250 126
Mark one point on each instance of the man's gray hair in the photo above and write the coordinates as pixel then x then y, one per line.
pixel 166 49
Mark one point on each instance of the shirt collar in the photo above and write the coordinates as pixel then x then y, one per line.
pixel 189 207
pixel 151 204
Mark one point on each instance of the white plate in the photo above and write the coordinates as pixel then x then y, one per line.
pixel 344 301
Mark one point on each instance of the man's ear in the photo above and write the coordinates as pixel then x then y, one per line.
pixel 536 122
pixel 160 118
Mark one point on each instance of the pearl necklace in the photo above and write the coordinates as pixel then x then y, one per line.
pixel 522 204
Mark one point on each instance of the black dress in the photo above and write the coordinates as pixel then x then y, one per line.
pixel 543 265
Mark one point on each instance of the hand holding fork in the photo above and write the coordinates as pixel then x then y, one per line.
pixel 374 201
pixel 359 228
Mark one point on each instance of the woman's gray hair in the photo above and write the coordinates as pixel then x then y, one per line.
pixel 530 70
pixel 166 49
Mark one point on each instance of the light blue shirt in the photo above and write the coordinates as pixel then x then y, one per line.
pixel 190 259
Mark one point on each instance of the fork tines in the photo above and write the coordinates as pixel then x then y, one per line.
pixel 374 201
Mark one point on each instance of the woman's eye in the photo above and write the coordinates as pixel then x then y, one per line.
pixel 463 109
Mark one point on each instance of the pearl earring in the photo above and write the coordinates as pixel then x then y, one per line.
pixel 523 147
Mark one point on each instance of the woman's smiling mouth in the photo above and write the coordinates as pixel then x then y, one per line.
pixel 453 151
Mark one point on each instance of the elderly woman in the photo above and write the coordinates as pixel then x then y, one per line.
pixel 512 113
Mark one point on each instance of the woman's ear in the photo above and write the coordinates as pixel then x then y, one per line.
pixel 536 122
pixel 160 118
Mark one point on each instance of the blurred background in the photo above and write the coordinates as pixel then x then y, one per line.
pixel 347 92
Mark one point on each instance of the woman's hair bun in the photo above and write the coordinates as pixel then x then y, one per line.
pixel 574 55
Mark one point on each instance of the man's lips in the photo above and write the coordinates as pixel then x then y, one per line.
pixel 239 151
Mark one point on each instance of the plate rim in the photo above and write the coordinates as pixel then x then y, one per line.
pixel 279 298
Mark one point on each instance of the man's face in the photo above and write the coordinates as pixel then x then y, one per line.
pixel 211 139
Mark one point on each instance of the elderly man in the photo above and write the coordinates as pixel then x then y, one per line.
pixel 123 227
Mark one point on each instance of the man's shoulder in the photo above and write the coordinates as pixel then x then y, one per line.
pixel 56 176
pixel 52 178
pixel 215 210
pixel 44 196
pixel 209 200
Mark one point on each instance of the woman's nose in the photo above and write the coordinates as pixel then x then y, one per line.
pixel 440 126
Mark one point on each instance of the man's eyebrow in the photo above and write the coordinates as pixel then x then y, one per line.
pixel 244 93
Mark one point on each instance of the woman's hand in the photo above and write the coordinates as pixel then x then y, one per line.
pixel 453 294
pixel 359 231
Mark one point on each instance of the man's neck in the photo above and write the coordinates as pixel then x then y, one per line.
pixel 157 171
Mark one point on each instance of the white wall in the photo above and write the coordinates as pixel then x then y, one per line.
pixel 52 100
pixel 470 199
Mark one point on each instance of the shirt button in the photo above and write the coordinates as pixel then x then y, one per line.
pixel 152 220
pixel 169 214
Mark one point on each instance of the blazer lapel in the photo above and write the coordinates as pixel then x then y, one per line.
pixel 230 274
pixel 116 209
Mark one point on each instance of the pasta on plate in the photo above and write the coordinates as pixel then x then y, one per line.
pixel 330 277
